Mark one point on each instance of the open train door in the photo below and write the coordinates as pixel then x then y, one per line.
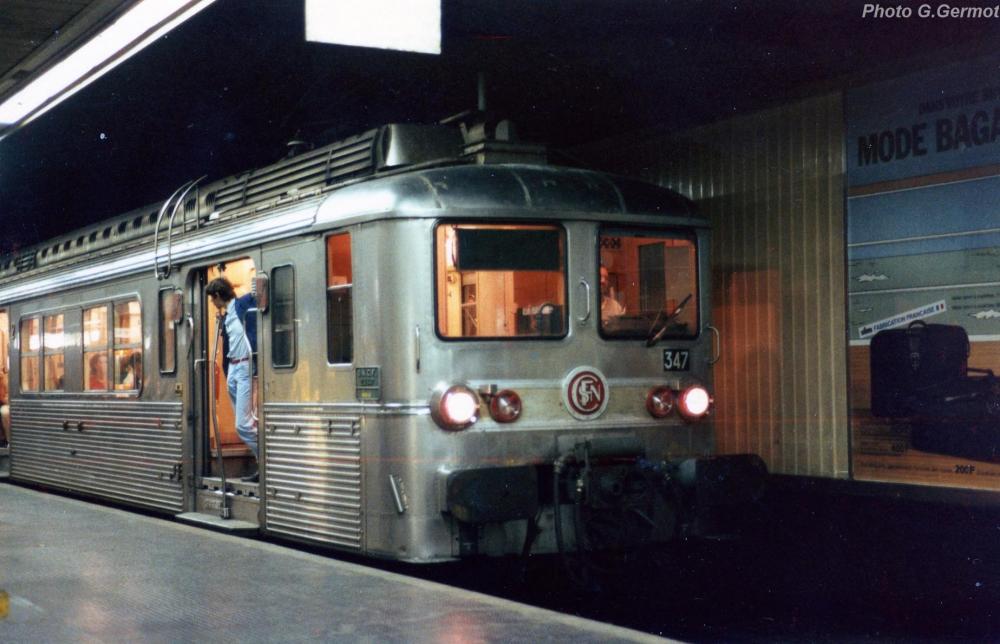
pixel 221 460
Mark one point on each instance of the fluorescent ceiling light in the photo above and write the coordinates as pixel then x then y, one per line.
pixel 143 23
pixel 408 25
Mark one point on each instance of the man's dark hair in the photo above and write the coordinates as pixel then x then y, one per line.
pixel 220 286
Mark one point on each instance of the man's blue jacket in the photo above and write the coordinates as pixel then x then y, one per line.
pixel 243 304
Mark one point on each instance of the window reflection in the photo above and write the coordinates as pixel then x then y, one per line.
pixel 283 317
pixel 95 327
pixel 339 310
pixel 55 366
pixel 127 355
pixel 31 340
pixel 95 348
pixel 128 325
pixel 30 344
pixel 168 330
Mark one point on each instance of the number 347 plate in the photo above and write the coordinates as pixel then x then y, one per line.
pixel 676 359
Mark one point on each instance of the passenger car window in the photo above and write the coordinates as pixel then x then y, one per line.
pixel 283 316
pixel 127 345
pixel 54 369
pixel 95 348
pixel 339 309
pixel 648 280
pixel 500 280
pixel 30 348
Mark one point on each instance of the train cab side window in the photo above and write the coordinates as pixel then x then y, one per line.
pixel 339 310
pixel 497 281
pixel 168 331
pixel 95 348
pixel 127 346
pixel 30 348
pixel 283 316
pixel 54 369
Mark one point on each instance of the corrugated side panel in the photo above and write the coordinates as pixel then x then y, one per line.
pixel 314 474
pixel 122 451
pixel 773 185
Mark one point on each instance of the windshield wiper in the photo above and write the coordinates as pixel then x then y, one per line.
pixel 654 334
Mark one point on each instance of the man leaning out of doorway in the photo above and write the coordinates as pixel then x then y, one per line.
pixel 238 347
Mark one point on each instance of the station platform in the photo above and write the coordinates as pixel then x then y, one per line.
pixel 72 571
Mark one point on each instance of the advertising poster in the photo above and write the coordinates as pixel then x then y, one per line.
pixel 923 174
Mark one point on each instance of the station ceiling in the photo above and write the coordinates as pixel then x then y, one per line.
pixel 226 90
pixel 38 33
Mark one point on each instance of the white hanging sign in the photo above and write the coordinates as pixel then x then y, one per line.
pixel 406 25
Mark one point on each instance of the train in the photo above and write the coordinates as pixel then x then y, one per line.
pixel 463 350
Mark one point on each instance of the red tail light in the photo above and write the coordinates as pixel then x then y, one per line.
pixel 455 408
pixel 660 401
pixel 694 402
pixel 505 406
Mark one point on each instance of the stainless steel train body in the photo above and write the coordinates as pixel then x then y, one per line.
pixel 439 373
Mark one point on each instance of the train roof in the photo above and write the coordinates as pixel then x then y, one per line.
pixel 506 190
pixel 394 171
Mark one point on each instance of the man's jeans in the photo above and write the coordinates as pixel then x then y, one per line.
pixel 241 394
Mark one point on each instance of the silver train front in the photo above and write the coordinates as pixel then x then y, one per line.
pixel 351 455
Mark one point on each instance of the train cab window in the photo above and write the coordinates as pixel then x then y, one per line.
pixel 339 310
pixel 283 316
pixel 127 354
pixel 54 369
pixel 501 281
pixel 648 284
pixel 168 330
pixel 30 348
pixel 95 349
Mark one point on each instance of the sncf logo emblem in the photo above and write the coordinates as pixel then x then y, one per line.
pixel 585 393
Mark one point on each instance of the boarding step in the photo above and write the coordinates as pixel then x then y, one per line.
pixel 233 484
pixel 242 499
pixel 4 462
pixel 215 522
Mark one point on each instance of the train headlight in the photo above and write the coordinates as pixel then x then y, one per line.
pixel 505 406
pixel 693 402
pixel 455 408
pixel 660 401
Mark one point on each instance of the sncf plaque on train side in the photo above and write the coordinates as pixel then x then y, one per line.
pixel 368 383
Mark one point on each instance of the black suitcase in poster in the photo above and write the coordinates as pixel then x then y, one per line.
pixel 913 362
pixel 963 419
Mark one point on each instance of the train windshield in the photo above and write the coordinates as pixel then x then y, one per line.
pixel 501 281
pixel 649 284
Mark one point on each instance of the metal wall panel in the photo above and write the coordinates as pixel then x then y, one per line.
pixel 772 183
pixel 127 451
pixel 313 473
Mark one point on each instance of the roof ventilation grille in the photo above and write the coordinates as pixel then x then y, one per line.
pixel 26 261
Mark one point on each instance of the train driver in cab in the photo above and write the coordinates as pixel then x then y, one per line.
pixel 610 306
pixel 238 348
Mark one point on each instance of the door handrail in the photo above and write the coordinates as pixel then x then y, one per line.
pixel 179 195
